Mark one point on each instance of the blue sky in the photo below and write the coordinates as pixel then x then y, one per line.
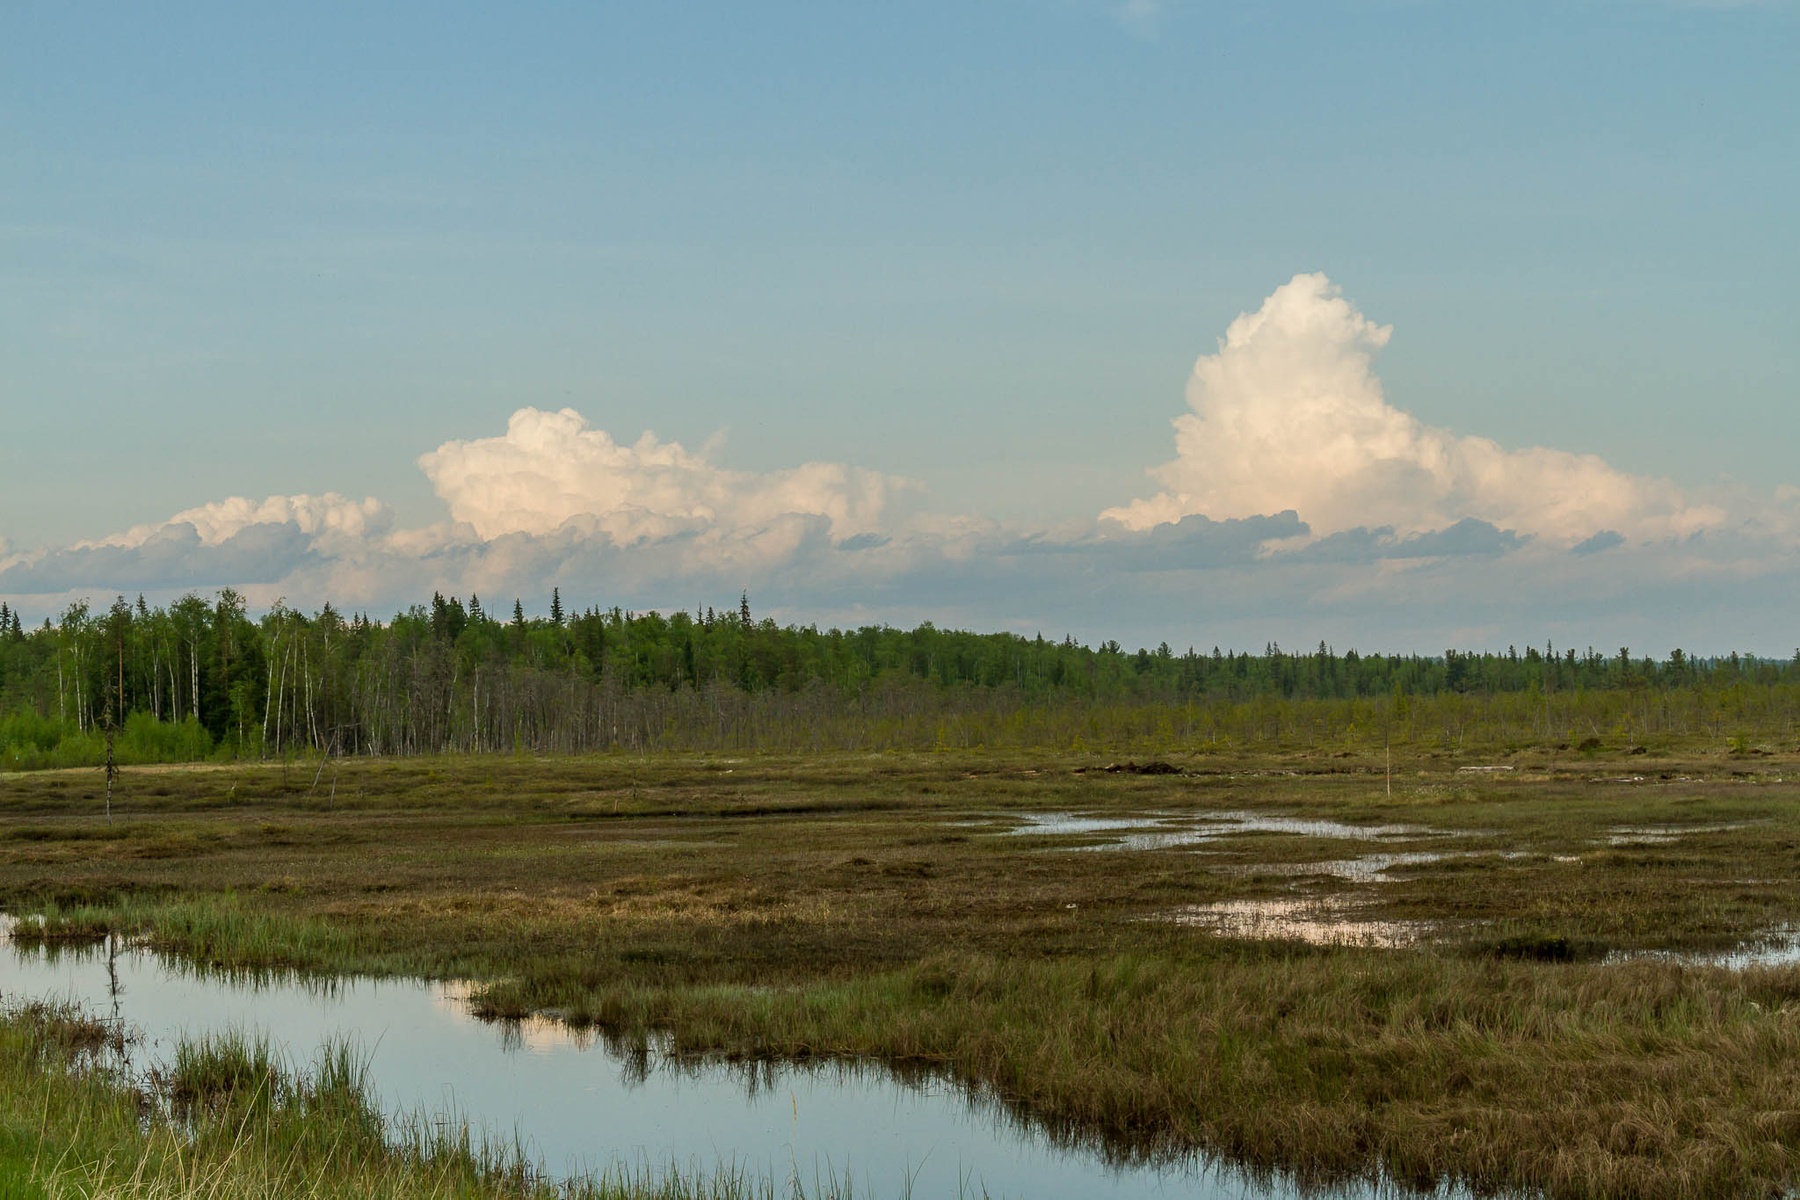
pixel 254 253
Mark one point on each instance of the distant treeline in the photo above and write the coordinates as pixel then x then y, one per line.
pixel 200 678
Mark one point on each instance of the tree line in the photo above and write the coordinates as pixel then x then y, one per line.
pixel 202 677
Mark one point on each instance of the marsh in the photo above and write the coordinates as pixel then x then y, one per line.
pixel 1557 1025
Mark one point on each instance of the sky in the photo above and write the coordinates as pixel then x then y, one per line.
pixel 1398 324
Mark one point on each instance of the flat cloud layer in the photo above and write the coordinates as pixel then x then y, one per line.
pixel 1289 414
pixel 1300 505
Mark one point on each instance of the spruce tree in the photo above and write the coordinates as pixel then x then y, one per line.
pixel 556 610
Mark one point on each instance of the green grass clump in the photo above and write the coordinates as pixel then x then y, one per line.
pixel 228 1069
pixel 227 932
pixel 53 922
pixel 219 931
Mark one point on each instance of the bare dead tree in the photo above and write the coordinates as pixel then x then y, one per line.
pixel 112 764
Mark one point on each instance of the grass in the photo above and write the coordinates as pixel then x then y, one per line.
pixel 1642 1080
pixel 775 908
pixel 218 932
pixel 232 1121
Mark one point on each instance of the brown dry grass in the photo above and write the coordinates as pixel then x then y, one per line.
pixel 871 906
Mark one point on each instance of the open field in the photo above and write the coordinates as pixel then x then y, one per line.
pixel 1437 983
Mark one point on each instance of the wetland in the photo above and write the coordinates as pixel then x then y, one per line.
pixel 1278 977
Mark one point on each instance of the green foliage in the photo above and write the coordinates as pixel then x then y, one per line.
pixel 199 679
pixel 29 741
pixel 148 740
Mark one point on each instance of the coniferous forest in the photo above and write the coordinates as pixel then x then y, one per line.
pixel 204 679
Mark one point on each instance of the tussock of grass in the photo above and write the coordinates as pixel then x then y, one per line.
pixel 1539 947
pixel 52 922
pixel 225 932
pixel 227 1069
pixel 60 1027
pixel 215 931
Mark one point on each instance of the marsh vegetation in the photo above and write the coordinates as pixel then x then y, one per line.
pixel 1551 1021
pixel 233 1119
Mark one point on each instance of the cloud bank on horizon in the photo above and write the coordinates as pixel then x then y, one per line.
pixel 1299 498
pixel 550 470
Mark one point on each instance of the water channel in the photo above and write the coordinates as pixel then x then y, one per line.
pixel 579 1103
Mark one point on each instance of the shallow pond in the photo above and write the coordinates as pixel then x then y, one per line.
pixel 1777 948
pixel 1366 868
pixel 1318 920
pixel 582 1103
pixel 1661 835
pixel 1168 830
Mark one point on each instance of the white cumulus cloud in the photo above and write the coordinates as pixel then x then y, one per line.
pixel 214 523
pixel 1289 414
pixel 551 469
pixel 236 542
pixel 1301 505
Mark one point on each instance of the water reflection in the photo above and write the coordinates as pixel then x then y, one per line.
pixel 582 1101
pixel 1661 835
pixel 1368 868
pixel 1158 831
pixel 1777 948
pixel 1318 920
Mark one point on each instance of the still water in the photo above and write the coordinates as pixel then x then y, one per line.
pixel 1164 831
pixel 579 1103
